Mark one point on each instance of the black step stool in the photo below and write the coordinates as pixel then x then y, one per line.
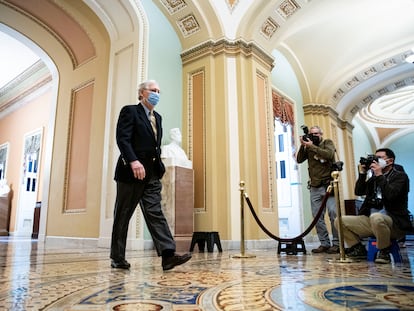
pixel 291 247
pixel 202 237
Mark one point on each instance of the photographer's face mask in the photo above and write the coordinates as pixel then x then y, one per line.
pixel 382 163
pixel 316 138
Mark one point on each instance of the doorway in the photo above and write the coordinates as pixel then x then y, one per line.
pixel 28 189
pixel 287 177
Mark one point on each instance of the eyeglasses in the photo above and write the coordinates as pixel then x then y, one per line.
pixel 154 90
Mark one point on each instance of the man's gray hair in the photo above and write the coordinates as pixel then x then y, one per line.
pixel 143 86
pixel 318 128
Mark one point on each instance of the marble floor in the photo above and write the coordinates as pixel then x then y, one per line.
pixel 34 277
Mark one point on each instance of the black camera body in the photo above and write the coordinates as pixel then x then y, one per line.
pixel 368 160
pixel 307 136
pixel 337 166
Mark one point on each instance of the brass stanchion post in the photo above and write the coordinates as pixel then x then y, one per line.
pixel 335 182
pixel 242 248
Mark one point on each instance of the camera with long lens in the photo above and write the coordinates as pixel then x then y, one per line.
pixel 368 160
pixel 309 136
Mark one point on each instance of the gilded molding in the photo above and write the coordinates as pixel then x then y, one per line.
pixel 69 143
pixel 237 47
pixel 269 145
pixel 319 109
pixel 190 126
pixel 312 109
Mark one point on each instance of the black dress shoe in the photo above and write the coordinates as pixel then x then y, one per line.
pixel 170 262
pixel 122 264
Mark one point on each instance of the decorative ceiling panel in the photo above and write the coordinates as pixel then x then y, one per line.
pixel 188 25
pixel 174 6
pixel 287 8
pixel 268 28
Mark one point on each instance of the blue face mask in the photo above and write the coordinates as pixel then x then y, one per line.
pixel 153 98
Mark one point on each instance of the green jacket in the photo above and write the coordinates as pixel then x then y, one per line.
pixel 320 159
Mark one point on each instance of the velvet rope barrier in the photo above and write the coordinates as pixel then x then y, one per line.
pixel 300 236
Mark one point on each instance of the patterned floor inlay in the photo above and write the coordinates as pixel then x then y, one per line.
pixel 35 278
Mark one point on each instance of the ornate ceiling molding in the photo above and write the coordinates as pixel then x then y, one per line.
pixel 367 100
pixel 394 109
pixel 370 72
pixel 25 84
pixel 229 47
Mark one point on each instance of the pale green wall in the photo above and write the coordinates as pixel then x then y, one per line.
pixel 284 79
pixel 403 149
pixel 164 65
pixel 362 144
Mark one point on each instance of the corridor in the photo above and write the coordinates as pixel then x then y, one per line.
pixel 37 278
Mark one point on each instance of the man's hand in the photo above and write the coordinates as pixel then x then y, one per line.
pixel 138 169
pixel 376 168
pixel 305 143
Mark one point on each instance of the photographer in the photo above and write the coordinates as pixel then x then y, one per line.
pixel 384 212
pixel 320 154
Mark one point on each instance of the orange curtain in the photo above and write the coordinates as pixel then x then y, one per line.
pixel 282 109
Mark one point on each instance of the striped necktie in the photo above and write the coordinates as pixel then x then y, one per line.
pixel 153 123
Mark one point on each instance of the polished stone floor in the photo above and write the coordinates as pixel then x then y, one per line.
pixel 34 277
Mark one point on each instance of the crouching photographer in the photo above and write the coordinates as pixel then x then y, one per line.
pixel 384 212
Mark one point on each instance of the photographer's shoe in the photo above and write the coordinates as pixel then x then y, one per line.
pixel 320 249
pixel 358 251
pixel 383 256
pixel 333 250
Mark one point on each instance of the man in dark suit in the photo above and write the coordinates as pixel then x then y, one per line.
pixel 137 174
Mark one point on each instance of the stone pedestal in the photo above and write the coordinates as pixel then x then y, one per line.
pixel 4 214
pixel 178 203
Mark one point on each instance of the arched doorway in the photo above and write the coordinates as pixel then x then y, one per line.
pixel 28 118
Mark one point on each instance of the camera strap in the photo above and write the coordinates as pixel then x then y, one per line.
pixel 336 157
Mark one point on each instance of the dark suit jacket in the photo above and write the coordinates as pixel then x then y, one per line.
pixel 136 141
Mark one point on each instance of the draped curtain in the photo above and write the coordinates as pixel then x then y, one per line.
pixel 283 113
pixel 282 109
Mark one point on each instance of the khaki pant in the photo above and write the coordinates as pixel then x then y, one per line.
pixel 377 224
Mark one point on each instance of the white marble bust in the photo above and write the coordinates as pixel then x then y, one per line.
pixel 172 153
